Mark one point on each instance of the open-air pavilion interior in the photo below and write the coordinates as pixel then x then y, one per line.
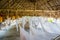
pixel 29 19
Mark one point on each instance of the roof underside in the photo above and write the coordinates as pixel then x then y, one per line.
pixel 24 7
pixel 30 4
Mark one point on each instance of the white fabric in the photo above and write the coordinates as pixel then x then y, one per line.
pixel 24 34
pixel 40 28
pixel 44 30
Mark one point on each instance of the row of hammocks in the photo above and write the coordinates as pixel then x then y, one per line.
pixel 40 28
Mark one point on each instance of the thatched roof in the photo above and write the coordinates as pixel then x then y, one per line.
pixel 30 4
pixel 24 7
